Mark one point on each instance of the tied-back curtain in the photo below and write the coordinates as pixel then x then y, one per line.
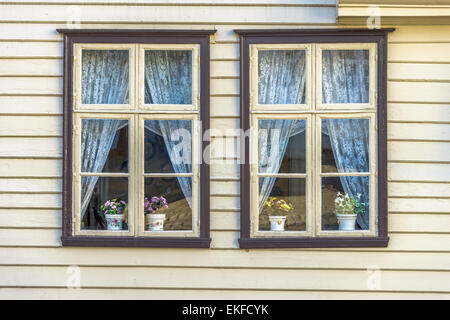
pixel 177 139
pixel 168 80
pixel 345 80
pixel 345 75
pixel 350 144
pixel 281 81
pixel 97 139
pixel 104 81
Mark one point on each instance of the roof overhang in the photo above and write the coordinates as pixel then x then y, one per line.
pixel 393 12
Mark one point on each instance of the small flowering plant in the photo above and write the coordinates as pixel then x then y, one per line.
pixel 346 204
pixel 154 204
pixel 278 206
pixel 114 206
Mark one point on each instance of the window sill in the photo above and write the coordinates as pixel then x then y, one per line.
pixel 252 243
pixel 143 242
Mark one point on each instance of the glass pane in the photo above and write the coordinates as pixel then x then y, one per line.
pixel 282 146
pixel 293 212
pixel 96 212
pixel 358 190
pixel 104 77
pixel 345 145
pixel 281 76
pixel 172 197
pixel 168 146
pixel 104 145
pixel 168 77
pixel 345 76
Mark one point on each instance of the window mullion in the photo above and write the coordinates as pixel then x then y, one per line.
pixel 136 136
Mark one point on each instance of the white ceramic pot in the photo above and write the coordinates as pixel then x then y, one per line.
pixel 277 223
pixel 155 221
pixel 114 221
pixel 346 221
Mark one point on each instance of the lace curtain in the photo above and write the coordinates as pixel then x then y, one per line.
pixel 345 76
pixel 104 81
pixel 281 81
pixel 168 80
pixel 177 139
pixel 345 80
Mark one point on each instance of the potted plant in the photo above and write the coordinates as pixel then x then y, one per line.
pixel 347 209
pixel 154 220
pixel 114 213
pixel 279 208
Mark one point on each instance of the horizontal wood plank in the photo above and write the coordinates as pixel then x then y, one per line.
pixel 419 91
pixel 30 168
pixel 39 105
pixel 419 151
pixel 224 278
pixel 418 71
pixel 410 189
pixel 30 293
pixel 34 147
pixel 260 258
pixel 31 126
pixel 160 13
pixel 419 205
pixel 418 172
pixel 424 52
pixel 32 67
pixel 418 112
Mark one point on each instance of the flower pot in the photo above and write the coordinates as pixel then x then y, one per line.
pixel 346 221
pixel 114 221
pixel 277 223
pixel 155 222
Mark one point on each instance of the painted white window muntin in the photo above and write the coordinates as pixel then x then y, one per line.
pixel 255 175
pixel 371 174
pixel 77 174
pixel 371 47
pixel 194 106
pixel 136 114
pixel 254 77
pixel 195 175
pixel 315 112
pixel 78 60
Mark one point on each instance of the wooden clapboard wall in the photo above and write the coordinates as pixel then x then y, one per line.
pixel 32 262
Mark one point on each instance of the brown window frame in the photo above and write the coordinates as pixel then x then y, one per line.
pixel 378 36
pixel 72 36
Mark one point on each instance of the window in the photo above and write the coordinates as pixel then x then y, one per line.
pixel 136 104
pixel 314 112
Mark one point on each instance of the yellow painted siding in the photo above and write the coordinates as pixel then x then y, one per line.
pixel 32 262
